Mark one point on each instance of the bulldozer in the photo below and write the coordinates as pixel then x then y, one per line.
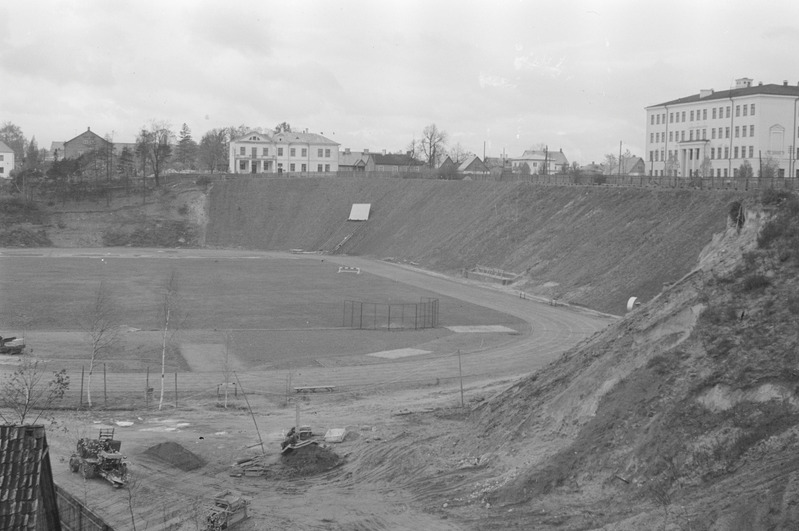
pixel 12 345
pixel 297 438
pixel 101 457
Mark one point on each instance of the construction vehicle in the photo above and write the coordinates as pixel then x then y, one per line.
pixel 228 509
pixel 11 345
pixel 297 439
pixel 100 457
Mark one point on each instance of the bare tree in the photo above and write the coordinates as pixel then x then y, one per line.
pixel 101 325
pixel 26 389
pixel 414 148
pixel 459 154
pixel 433 144
pixel 170 315
pixel 155 144
pixel 611 162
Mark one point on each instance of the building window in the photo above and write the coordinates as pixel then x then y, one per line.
pixel 692 116
pixel 243 151
pixel 690 135
pixel 704 114
pixel 751 151
pixel 726 152
pixel 671 117
pixel 319 166
pixel 737 111
pixel 743 132
pixel 243 165
pixel 682 136
pixel 726 132
pixel 714 113
pixel 304 166
pixel 652 119
pixel 683 116
pixel 728 111
pixel 704 134
pixel 746 108
pixel 671 136
pixel 712 153
pixel 319 154
pixel 651 138
pixel 280 152
pixel 291 167
pixel 327 153
pixel 752 109
pixel 1 157
pixel 735 152
pixel 651 155
pixel 304 152
pixel 725 172
pixel 266 152
pixel 752 130
pixel 327 167
pixel 713 133
pixel 292 153
pixel 737 131
pixel 2 169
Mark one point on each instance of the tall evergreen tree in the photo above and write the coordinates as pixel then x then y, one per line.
pixel 186 152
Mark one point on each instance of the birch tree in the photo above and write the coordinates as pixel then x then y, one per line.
pixel 170 319
pixel 27 389
pixel 101 325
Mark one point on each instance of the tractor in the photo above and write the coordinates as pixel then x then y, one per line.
pixel 228 509
pixel 101 457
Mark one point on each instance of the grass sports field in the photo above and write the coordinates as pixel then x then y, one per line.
pixel 268 311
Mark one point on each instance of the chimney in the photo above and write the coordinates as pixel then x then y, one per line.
pixel 743 82
pixel 346 151
pixel 89 128
pixel 785 83
pixel 759 83
pixel 365 151
pixel 384 152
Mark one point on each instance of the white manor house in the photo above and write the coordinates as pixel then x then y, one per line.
pixel 711 134
pixel 283 152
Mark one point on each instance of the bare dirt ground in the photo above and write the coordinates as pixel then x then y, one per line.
pixel 387 449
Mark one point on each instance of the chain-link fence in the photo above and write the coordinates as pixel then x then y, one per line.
pixel 391 316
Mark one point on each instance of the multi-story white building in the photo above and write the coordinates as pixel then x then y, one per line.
pixel 6 161
pixel 282 152
pixel 712 133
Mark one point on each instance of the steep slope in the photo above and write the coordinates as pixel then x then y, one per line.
pixel 594 246
pixel 682 415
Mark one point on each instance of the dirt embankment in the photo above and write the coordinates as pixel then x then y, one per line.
pixel 594 246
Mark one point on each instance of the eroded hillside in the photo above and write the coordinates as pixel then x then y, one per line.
pixel 594 246
pixel 682 415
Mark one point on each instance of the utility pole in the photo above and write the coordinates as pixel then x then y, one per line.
pixel 620 158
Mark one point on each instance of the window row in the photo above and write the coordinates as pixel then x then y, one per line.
pixel 701 134
pixel 716 153
pixel 321 152
pixel 701 114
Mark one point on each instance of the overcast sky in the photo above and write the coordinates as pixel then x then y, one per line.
pixel 509 75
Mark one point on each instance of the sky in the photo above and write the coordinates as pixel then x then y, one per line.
pixel 497 76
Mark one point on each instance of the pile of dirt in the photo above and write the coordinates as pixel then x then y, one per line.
pixel 174 454
pixel 308 461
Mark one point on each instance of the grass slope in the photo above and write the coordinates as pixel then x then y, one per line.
pixel 594 246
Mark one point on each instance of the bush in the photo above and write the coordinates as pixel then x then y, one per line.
pixel 770 196
pixel 736 214
pixel 203 180
pixel 755 282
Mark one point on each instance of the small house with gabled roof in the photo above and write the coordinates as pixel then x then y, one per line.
pixel 85 142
